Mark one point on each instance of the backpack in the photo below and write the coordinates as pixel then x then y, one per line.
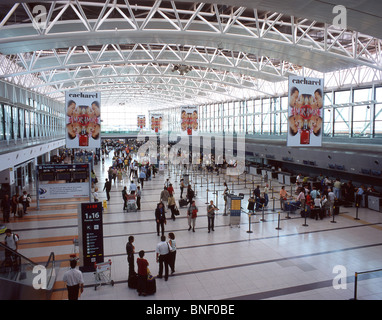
pixel 14 237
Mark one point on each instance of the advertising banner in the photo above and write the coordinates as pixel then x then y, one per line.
pixel 156 122
pixel 189 120
pixel 64 190
pixel 141 121
pixel 305 112
pixel 83 120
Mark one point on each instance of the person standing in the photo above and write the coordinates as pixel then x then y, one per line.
pixel 130 250
pixel 172 254
pixel 283 197
pixel 142 273
pixel 181 188
pixel 124 198
pixel 160 217
pixel 192 213
pixel 266 197
pixel 107 188
pixel 162 256
pixel 301 198
pixel 211 216
pixel 139 194
pixel 6 208
pixel 74 281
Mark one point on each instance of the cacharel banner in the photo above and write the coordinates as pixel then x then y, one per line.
pixel 305 112
pixel 156 122
pixel 141 120
pixel 83 120
pixel 189 120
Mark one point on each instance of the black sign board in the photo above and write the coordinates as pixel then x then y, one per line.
pixel 90 235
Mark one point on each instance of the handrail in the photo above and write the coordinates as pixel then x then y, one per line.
pixel 51 260
pixel 356 280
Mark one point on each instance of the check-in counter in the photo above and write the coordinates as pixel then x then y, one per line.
pixel 374 203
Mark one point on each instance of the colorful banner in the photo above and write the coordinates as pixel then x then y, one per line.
pixel 156 122
pixel 83 120
pixel 189 120
pixel 141 121
pixel 305 112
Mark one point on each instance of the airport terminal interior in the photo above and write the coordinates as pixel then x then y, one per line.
pixel 247 133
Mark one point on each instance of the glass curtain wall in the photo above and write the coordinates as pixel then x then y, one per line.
pixel 347 113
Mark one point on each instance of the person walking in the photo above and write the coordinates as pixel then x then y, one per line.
pixel 74 281
pixel 160 217
pixel 211 216
pixel 190 194
pixel 181 188
pixel 192 213
pixel 142 177
pixel 172 254
pixel 107 188
pixel 164 197
pixel 130 250
pixel 162 257
pixel 171 205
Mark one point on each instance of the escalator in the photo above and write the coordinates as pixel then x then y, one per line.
pixel 23 279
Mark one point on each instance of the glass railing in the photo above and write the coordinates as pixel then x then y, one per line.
pixel 17 268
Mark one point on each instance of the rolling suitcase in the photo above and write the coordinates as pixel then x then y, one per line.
pixel 151 286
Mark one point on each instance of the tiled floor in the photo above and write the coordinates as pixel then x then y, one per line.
pixel 295 262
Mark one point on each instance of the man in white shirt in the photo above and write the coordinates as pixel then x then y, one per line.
pixel 133 187
pixel 74 281
pixel 331 199
pixel 162 255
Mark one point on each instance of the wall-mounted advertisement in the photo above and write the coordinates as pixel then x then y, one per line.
pixel 305 112
pixel 189 120
pixel 156 122
pixel 141 121
pixel 83 120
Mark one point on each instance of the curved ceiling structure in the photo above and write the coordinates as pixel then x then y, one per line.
pixel 179 52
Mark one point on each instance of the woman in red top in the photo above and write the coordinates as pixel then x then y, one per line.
pixel 142 273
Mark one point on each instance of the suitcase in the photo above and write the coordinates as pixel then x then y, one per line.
pixel 183 203
pixel 132 282
pixel 151 286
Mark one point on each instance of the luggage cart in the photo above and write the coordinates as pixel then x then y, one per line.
pixel 102 274
pixel 130 203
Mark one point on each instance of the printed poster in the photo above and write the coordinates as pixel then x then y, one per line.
pixel 305 112
pixel 141 119
pixel 189 120
pixel 156 122
pixel 83 120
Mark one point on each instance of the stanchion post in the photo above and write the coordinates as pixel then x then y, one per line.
pixel 305 215
pixel 249 223
pixel 333 221
pixel 278 221
pixel 262 215
pixel 356 212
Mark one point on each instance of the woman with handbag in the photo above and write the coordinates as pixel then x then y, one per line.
pixel 192 212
